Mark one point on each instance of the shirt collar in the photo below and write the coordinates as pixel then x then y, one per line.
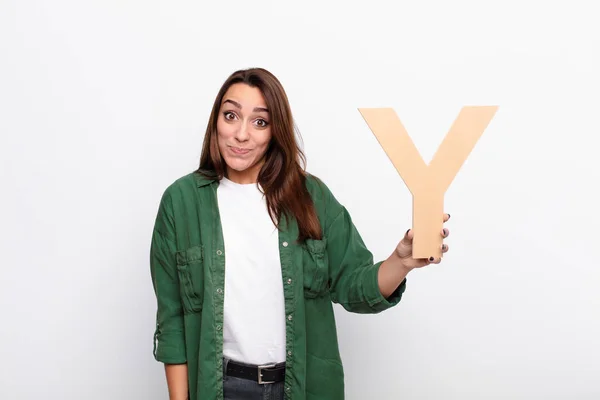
pixel 203 180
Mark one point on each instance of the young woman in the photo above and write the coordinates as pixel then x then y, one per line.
pixel 248 254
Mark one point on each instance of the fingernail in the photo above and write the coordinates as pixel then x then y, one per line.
pixel 448 216
pixel 443 247
pixel 431 258
pixel 407 232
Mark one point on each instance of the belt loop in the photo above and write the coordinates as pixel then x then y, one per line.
pixel 225 363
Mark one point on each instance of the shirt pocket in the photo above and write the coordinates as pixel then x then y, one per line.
pixel 316 267
pixel 190 269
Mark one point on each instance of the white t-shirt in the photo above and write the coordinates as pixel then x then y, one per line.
pixel 254 314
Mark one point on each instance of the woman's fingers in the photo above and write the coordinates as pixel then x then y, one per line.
pixel 405 247
pixel 422 262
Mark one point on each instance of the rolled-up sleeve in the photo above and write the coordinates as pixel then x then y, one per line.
pixel 169 339
pixel 354 275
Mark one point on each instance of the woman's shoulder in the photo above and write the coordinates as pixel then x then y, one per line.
pixel 316 186
pixel 187 184
pixel 320 192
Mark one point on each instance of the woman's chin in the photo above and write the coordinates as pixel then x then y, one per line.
pixel 237 166
pixel 243 165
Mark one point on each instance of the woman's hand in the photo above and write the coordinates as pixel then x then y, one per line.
pixel 394 270
pixel 404 250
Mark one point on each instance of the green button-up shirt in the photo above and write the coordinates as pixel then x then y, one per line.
pixel 188 269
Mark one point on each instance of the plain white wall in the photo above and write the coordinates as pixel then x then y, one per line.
pixel 104 103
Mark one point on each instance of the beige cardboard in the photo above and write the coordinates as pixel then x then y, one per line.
pixel 428 184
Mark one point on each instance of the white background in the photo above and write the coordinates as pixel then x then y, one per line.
pixel 104 103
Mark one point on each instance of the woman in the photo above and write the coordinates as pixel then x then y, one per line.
pixel 248 254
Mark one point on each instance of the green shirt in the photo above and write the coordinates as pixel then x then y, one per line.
pixel 187 266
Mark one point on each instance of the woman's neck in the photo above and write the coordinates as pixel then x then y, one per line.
pixel 245 177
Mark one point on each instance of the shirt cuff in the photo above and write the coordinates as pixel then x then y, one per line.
pixel 377 302
pixel 169 347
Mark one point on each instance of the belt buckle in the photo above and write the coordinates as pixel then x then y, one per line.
pixel 260 368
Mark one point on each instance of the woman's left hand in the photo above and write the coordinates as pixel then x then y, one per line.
pixel 404 249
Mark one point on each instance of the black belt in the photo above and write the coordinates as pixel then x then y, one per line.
pixel 262 374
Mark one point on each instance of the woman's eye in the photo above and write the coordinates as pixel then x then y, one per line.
pixel 228 115
pixel 262 123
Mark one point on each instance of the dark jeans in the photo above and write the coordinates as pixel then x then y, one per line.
pixel 243 389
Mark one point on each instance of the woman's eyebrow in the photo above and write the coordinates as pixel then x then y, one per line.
pixel 235 103
pixel 239 106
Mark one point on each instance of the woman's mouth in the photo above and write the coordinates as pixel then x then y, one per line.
pixel 239 150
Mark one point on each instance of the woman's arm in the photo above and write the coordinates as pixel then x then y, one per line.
pixel 356 282
pixel 177 381
pixel 169 339
pixel 391 274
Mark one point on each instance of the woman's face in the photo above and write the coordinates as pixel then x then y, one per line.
pixel 243 132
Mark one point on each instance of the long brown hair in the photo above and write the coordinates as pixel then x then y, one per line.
pixel 283 174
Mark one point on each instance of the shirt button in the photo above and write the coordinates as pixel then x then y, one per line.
pixel 290 317
pixel 289 353
pixel 289 281
pixel 218 327
pixel 219 290
pixel 285 244
pixel 219 252
pixel 287 389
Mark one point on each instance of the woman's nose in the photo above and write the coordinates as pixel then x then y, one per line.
pixel 243 133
